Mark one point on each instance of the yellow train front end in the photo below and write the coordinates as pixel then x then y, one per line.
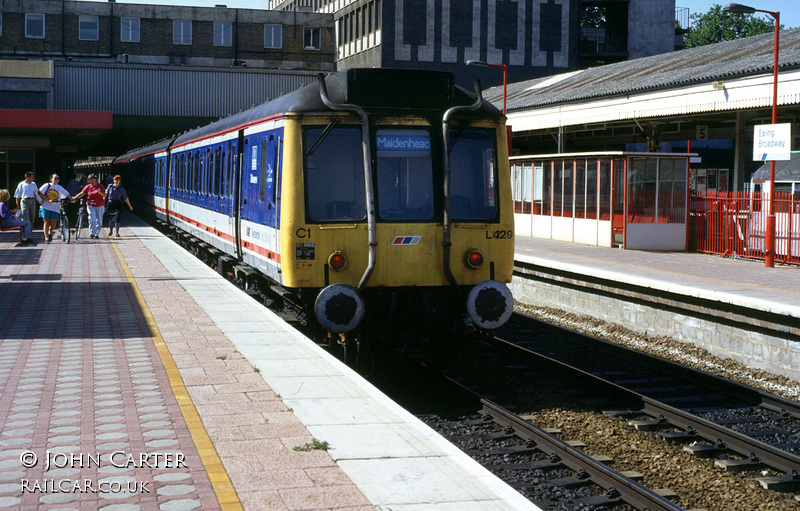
pixel 432 256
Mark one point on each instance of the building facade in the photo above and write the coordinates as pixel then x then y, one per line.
pixel 108 32
pixel 531 37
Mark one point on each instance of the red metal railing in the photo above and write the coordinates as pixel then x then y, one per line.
pixel 733 224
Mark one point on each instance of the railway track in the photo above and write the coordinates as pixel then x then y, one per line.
pixel 551 471
pixel 742 428
pixel 735 427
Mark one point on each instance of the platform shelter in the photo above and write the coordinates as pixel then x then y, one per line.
pixel 632 200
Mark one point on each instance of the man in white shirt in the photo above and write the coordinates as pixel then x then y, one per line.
pixel 26 197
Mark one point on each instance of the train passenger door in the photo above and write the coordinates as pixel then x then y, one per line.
pixel 276 199
pixel 259 212
pixel 236 191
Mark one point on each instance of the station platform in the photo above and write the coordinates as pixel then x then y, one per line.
pixel 733 308
pixel 738 282
pixel 135 377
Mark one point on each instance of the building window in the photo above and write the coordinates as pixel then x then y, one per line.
pixel 181 32
pixel 273 36
pixel 88 28
pixel 34 26
pixel 1 24
pixel 129 30
pixel 311 38
pixel 222 34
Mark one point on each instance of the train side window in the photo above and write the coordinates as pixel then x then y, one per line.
pixel 229 172
pixel 334 174
pixel 262 183
pixel 473 171
pixel 275 162
pixel 211 164
pixel 191 168
pixel 219 164
pixel 198 169
pixel 184 173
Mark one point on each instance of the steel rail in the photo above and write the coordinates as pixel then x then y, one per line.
pixel 731 388
pixel 598 473
pixel 714 433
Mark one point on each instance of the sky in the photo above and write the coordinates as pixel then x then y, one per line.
pixel 789 9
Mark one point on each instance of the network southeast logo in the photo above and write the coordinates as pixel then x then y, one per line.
pixel 406 240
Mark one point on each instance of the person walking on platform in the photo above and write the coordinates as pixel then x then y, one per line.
pixel 74 186
pixel 96 202
pixel 7 218
pixel 52 193
pixel 26 197
pixel 117 195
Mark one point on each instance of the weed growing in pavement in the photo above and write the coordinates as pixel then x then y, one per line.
pixel 256 370
pixel 314 444
pixel 222 357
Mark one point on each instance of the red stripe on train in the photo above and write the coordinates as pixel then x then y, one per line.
pixel 252 247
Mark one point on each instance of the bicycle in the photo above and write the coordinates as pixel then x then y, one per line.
pixel 63 225
pixel 83 219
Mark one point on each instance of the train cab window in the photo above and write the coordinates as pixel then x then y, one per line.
pixel 405 174
pixel 473 175
pixel 334 174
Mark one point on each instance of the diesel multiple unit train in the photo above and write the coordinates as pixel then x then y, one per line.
pixel 374 198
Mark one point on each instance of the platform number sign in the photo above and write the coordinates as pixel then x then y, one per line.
pixel 702 133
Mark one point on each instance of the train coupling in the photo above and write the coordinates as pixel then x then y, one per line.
pixel 339 308
pixel 490 304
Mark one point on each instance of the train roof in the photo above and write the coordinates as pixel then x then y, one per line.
pixel 377 91
pixel 161 145
pixel 785 171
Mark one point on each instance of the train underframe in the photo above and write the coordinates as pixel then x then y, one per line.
pixel 425 323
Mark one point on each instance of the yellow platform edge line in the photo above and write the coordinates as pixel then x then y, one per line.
pixel 223 487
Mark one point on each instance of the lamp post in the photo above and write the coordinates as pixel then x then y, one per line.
pixel 480 63
pixel 769 259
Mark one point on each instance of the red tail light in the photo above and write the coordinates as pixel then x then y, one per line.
pixel 337 262
pixel 474 259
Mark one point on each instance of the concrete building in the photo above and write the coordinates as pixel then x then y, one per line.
pixel 532 37
pixel 97 78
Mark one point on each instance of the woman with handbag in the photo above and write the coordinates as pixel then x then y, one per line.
pixel 52 194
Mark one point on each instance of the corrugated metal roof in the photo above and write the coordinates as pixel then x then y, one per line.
pixel 788 170
pixel 169 92
pixel 742 57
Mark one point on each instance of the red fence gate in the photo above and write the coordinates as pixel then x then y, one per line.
pixel 733 224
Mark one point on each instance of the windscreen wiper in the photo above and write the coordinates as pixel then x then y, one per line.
pixel 323 136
